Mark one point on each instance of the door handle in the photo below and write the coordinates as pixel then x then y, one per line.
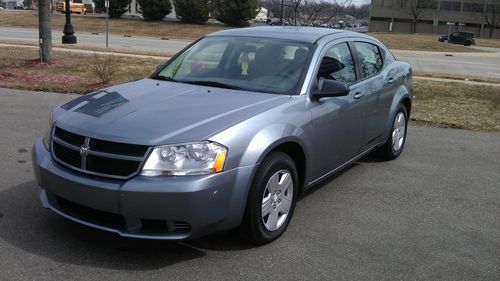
pixel 358 95
pixel 390 81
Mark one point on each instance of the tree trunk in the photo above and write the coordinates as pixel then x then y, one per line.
pixel 45 31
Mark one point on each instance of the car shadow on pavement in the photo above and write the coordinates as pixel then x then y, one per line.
pixel 25 224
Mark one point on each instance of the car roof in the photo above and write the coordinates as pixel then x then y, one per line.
pixel 296 33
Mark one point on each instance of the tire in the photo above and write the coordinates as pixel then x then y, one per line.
pixel 261 226
pixel 394 145
pixel 467 43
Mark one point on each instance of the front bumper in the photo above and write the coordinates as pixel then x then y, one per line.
pixel 169 208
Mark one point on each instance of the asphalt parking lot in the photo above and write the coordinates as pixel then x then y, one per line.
pixel 432 214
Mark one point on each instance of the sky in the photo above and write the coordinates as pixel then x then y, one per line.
pixel 360 2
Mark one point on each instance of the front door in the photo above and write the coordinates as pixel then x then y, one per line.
pixel 338 122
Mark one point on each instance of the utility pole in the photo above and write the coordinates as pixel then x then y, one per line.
pixel 45 31
pixel 68 37
pixel 106 3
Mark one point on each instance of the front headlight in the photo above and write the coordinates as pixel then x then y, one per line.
pixel 198 158
pixel 48 134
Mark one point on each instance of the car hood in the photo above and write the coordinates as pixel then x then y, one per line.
pixel 158 112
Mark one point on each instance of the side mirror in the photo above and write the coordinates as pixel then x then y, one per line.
pixel 330 88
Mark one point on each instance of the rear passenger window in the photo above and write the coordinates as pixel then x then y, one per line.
pixel 337 64
pixel 371 59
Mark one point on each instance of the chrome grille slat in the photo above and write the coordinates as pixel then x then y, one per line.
pixel 102 163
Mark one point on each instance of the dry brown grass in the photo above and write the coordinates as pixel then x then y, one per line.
pixel 457 105
pixel 92 23
pixel 69 72
pixel 488 42
pixel 428 42
pixel 418 42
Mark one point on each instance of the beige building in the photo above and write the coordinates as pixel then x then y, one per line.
pixel 439 16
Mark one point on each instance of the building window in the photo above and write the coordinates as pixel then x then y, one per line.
pixel 493 8
pixel 428 4
pixel 450 6
pixel 473 7
pixel 388 3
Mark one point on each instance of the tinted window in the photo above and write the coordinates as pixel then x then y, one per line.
pixel 370 57
pixel 337 64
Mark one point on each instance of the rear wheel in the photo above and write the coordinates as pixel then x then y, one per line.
pixel 271 199
pixel 397 138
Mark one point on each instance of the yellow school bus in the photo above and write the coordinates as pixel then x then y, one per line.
pixel 78 8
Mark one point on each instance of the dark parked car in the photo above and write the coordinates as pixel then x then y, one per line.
pixel 226 134
pixel 459 37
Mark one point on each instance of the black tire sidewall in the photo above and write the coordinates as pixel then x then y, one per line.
pixel 253 216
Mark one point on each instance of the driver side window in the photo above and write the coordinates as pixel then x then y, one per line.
pixel 338 64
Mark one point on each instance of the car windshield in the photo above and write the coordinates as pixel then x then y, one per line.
pixel 242 63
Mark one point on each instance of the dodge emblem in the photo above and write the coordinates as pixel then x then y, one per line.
pixel 84 150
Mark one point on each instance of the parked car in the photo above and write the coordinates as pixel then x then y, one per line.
pixel 459 37
pixel 226 134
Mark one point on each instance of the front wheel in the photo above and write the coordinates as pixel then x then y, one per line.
pixel 271 199
pixel 396 141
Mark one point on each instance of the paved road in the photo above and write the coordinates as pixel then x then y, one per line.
pixel 87 39
pixel 476 64
pixel 432 214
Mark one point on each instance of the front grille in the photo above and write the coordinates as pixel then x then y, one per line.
pixel 97 157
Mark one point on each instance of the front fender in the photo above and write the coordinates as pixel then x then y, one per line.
pixel 250 141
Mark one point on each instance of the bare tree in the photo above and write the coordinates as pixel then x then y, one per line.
pixel 308 11
pixel 334 10
pixel 416 9
pixel 491 13
pixel 312 10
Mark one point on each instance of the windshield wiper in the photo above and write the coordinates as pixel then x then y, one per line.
pixel 212 84
pixel 163 78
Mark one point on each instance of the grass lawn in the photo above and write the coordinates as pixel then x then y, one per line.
pixel 450 104
pixel 69 73
pixel 457 105
pixel 427 42
pixel 92 23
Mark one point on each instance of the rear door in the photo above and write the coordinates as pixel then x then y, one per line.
pixel 377 86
